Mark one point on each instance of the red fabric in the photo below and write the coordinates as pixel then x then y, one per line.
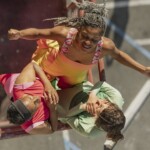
pixel 4 78
pixel 42 113
pixel 42 43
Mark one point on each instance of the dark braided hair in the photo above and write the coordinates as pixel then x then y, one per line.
pixel 112 120
pixel 94 16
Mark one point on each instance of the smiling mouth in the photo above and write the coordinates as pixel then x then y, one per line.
pixel 86 46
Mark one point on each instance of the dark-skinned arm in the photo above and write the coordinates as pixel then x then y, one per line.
pixel 55 33
pixel 28 74
pixel 52 96
pixel 124 58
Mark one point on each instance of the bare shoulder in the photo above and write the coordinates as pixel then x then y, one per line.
pixel 109 48
pixel 108 44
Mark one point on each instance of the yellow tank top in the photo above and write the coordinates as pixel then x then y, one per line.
pixel 51 58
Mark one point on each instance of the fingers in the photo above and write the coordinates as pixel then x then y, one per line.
pixel 53 97
pixel 13 34
pixel 45 96
pixel 91 108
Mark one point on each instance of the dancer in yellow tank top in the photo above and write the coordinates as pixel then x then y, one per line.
pixel 80 44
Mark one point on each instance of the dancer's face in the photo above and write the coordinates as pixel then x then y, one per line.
pixel 88 37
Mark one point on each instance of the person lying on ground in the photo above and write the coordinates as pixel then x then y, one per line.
pixel 30 110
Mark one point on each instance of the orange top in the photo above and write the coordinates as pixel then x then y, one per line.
pixel 55 64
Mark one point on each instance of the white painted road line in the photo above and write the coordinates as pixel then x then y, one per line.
pixel 135 3
pixel 143 41
pixel 137 103
pixel 132 110
pixel 67 143
pixel 66 136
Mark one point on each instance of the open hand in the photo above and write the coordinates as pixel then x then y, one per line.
pixel 91 107
pixel 51 95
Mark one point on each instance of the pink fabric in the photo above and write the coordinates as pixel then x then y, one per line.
pixel 23 86
pixel 8 80
pixel 38 118
pixel 32 88
pixel 97 52
pixel 68 41
pixel 32 126
pixel 42 113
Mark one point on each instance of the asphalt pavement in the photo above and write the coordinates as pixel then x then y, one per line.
pixel 134 21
